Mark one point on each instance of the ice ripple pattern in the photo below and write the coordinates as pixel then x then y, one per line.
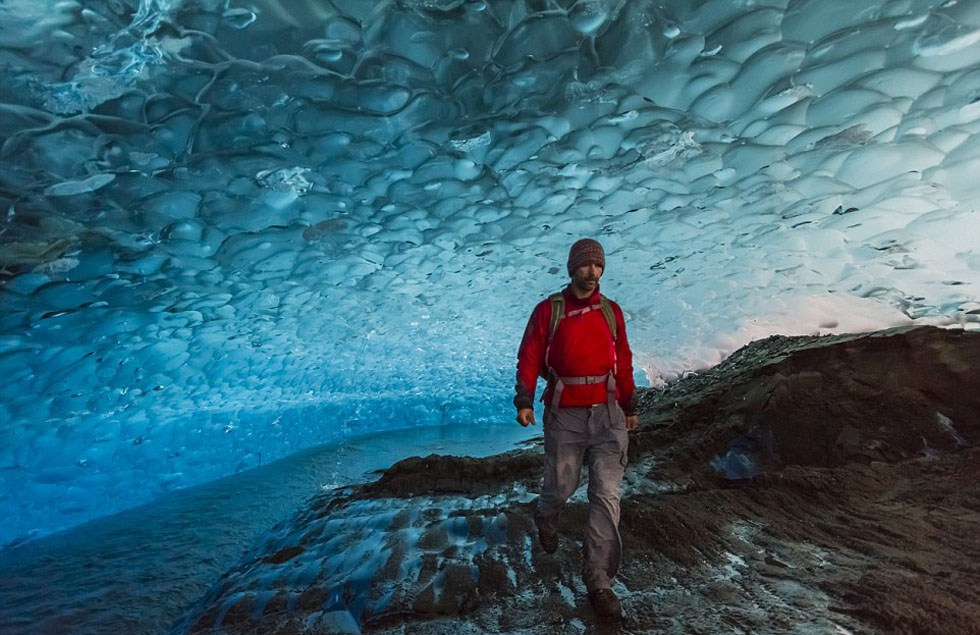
pixel 231 231
pixel 356 563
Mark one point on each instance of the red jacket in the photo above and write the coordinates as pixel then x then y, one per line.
pixel 582 346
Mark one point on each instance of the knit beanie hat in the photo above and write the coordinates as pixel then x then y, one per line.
pixel 585 251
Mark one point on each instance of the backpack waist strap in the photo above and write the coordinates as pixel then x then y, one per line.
pixel 581 381
pixel 559 384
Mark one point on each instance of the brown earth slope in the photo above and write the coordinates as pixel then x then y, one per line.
pixel 805 485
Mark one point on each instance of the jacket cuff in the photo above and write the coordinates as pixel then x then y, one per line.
pixel 523 398
pixel 629 408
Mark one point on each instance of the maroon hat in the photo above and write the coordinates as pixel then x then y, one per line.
pixel 583 252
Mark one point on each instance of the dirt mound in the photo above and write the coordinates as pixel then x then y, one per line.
pixel 889 548
pixel 436 474
pixel 827 401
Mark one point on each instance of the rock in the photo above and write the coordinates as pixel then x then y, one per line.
pixel 854 508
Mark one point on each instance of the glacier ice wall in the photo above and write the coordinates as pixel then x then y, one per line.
pixel 232 229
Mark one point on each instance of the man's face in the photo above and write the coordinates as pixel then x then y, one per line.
pixel 586 277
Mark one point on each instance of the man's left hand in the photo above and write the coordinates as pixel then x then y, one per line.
pixel 631 422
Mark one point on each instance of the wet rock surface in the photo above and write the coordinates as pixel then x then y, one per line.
pixel 805 485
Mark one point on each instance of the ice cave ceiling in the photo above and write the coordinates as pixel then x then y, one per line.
pixel 234 228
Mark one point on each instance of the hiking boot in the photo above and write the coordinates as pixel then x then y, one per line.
pixel 549 541
pixel 547 538
pixel 606 604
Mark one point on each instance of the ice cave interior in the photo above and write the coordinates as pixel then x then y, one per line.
pixel 234 229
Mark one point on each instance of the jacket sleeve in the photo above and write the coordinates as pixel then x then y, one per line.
pixel 624 366
pixel 530 356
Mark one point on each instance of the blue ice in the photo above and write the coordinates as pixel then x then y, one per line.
pixel 229 232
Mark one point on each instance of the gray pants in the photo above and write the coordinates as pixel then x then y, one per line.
pixel 569 435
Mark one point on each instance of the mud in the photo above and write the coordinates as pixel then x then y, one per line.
pixel 805 485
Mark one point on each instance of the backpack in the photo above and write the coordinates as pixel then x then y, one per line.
pixel 558 383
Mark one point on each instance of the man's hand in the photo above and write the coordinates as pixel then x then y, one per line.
pixel 631 422
pixel 525 416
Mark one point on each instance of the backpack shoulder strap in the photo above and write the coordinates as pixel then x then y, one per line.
pixel 607 312
pixel 557 313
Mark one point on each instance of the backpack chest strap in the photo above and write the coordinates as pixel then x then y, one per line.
pixel 593 307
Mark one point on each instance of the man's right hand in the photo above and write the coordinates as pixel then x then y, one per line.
pixel 525 416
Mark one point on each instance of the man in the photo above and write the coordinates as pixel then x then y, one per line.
pixel 577 340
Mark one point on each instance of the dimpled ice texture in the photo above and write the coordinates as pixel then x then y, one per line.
pixel 234 230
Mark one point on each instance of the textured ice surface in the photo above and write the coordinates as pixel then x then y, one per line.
pixel 230 231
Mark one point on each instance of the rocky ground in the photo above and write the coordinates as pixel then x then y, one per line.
pixel 805 485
